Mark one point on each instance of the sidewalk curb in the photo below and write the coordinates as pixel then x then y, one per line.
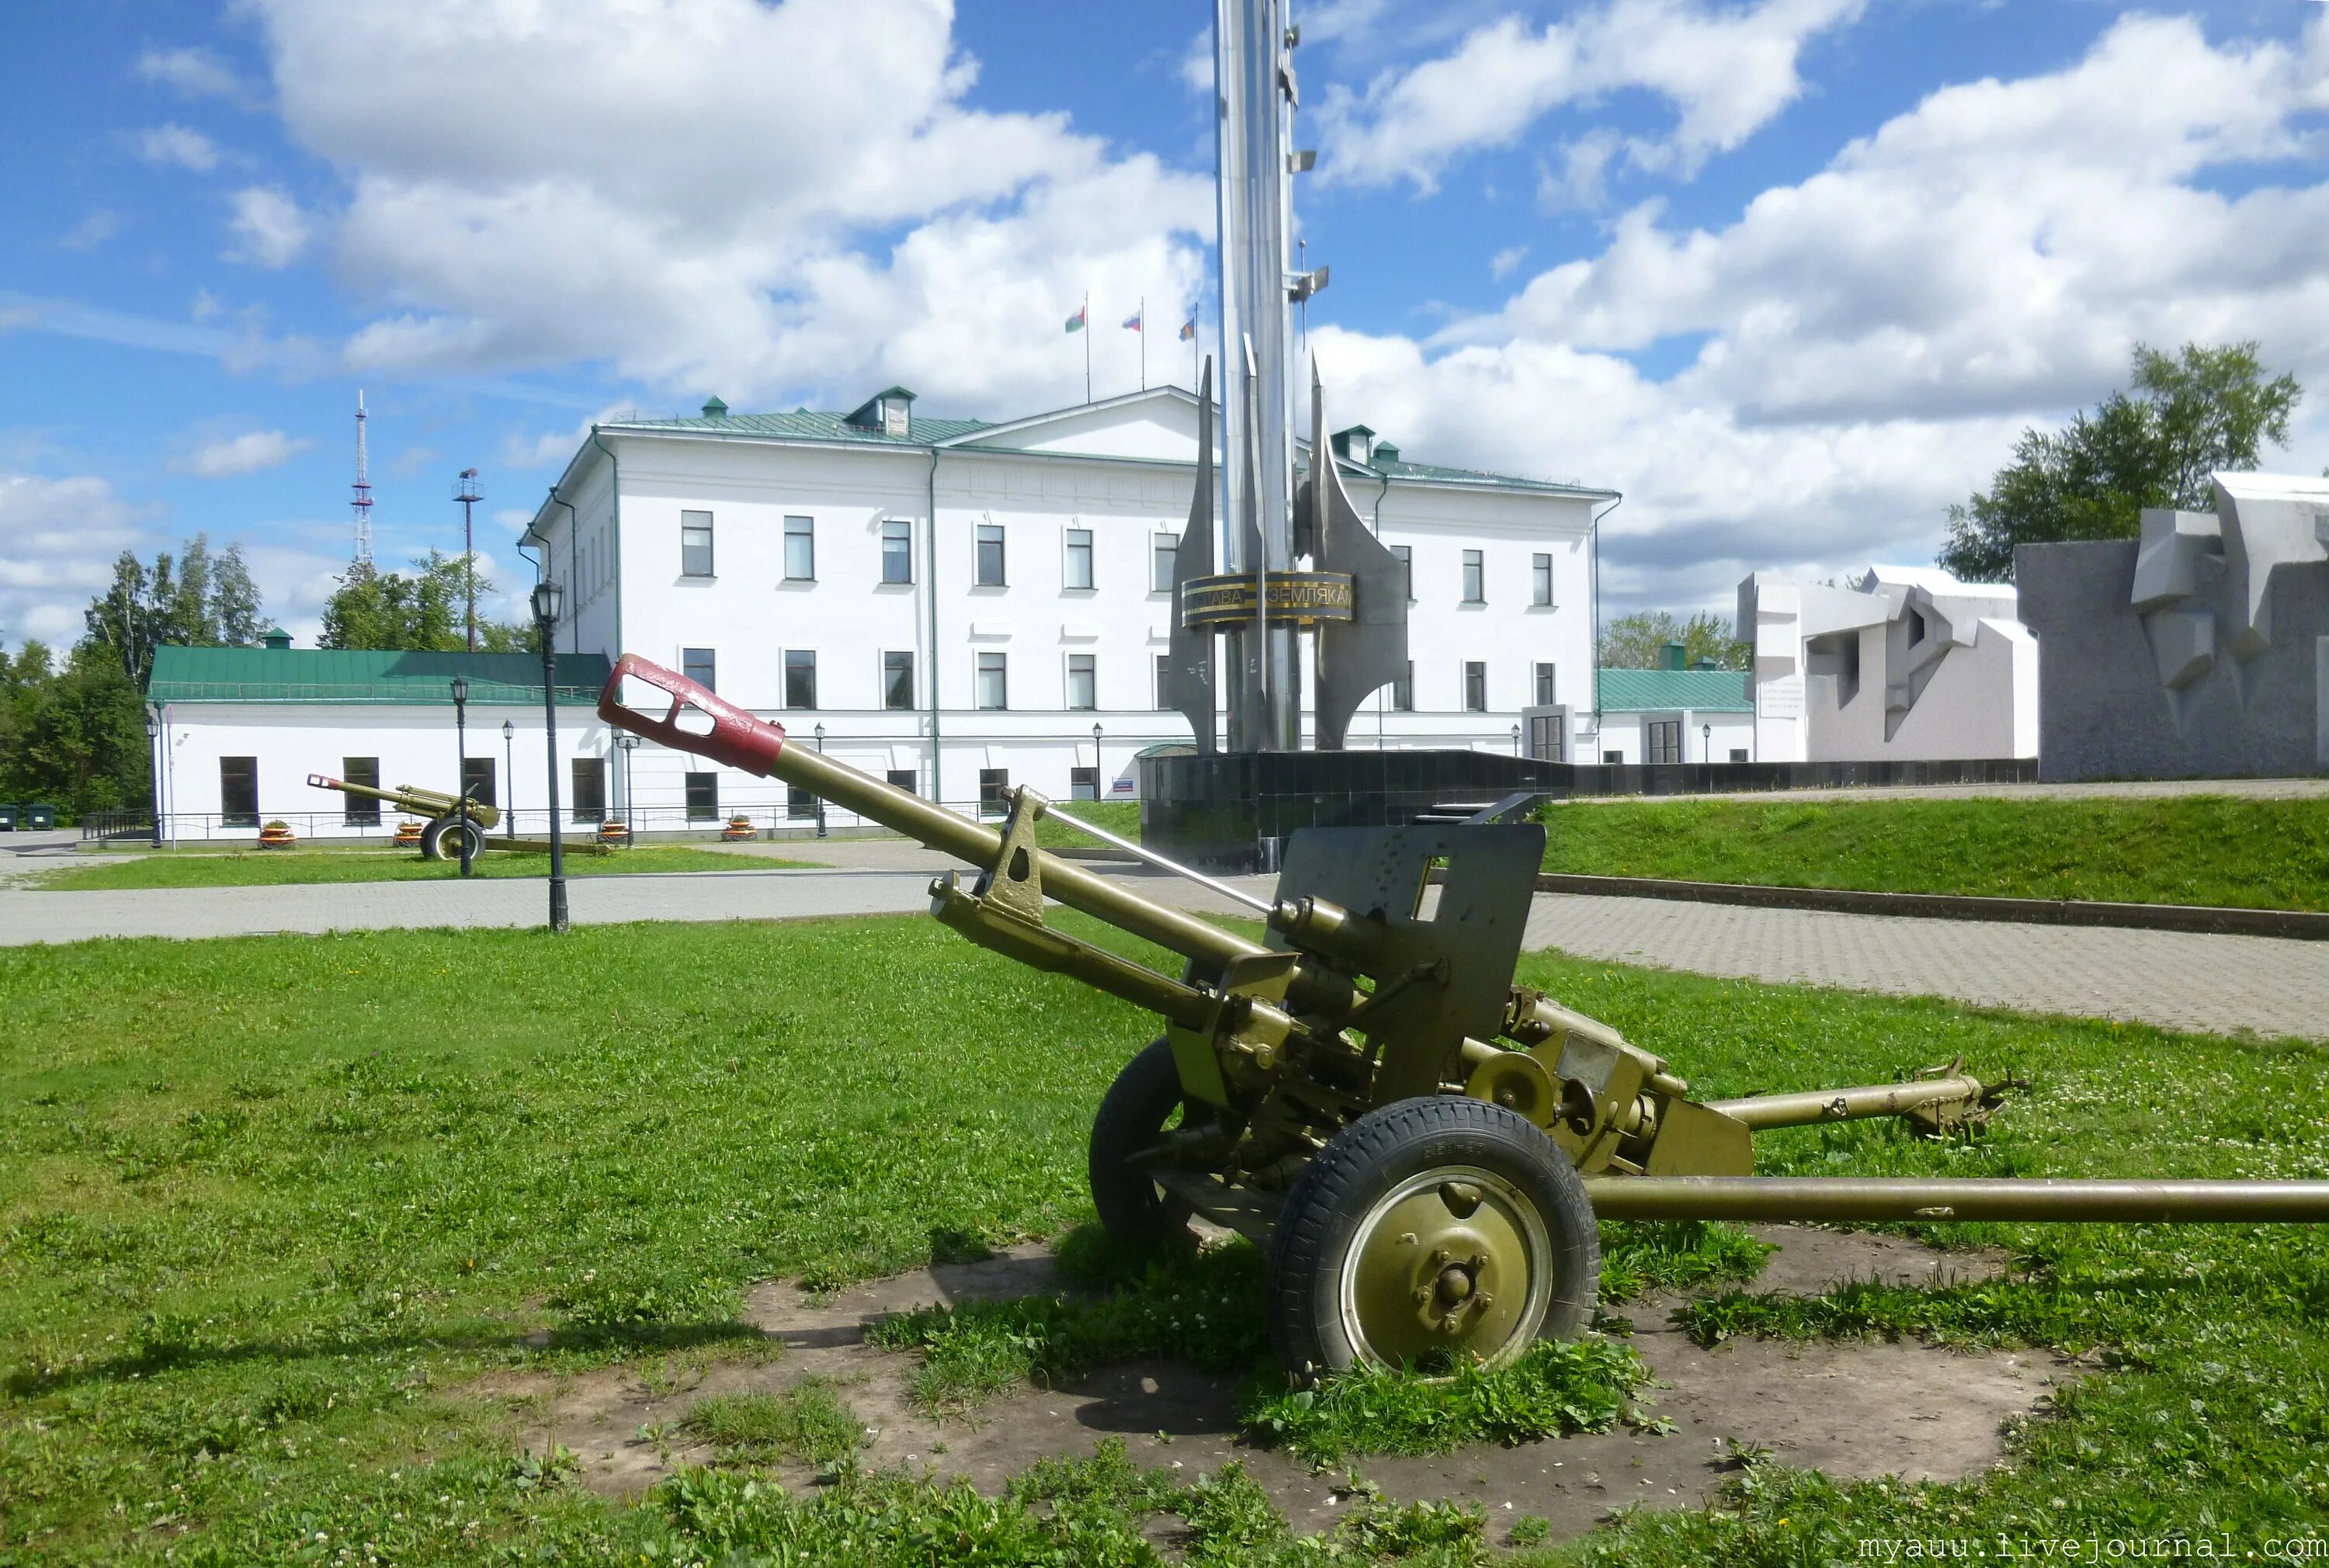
pixel 2298 925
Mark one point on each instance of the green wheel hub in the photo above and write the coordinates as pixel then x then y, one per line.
pixel 1454 1262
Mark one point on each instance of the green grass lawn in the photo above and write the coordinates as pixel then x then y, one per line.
pixel 268 1204
pixel 2269 854
pixel 269 868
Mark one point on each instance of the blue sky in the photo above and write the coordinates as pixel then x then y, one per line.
pixel 1789 273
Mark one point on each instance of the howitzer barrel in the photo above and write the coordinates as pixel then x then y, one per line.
pixel 1845 1198
pixel 421 802
pixel 742 740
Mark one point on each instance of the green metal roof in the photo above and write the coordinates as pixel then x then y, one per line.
pixel 804 425
pixel 366 675
pixel 807 425
pixel 1663 690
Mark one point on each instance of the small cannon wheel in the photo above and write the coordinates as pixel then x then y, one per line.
pixel 441 839
pixel 1139 1108
pixel 1428 1232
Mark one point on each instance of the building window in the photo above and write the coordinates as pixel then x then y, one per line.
pixel 989 574
pixel 477 777
pixel 1476 686
pixel 703 797
pixel 365 771
pixel 1541 581
pixel 994 788
pixel 1738 753
pixel 1916 627
pixel 695 544
pixel 1547 686
pixel 589 775
pixel 901 778
pixel 798 802
pixel 1083 682
pixel 1613 759
pixel 239 792
pixel 1083 783
pixel 700 665
pixel 1163 561
pixel 1545 738
pixel 800 678
pixel 897 550
pixel 1403 691
pixel 1406 554
pixel 1476 571
pixel 897 680
pixel 1662 741
pixel 1164 680
pixel 800 550
pixel 994 681
pixel 1077 571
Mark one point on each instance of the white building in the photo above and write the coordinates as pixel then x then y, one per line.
pixel 1911 665
pixel 1659 717
pixel 789 561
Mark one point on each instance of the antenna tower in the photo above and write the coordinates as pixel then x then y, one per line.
pixel 361 503
pixel 468 493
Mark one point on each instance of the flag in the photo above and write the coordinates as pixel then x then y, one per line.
pixel 1076 322
pixel 1133 321
pixel 1189 329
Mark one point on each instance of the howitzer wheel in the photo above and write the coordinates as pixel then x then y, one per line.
pixel 441 839
pixel 1134 1115
pixel 1427 1231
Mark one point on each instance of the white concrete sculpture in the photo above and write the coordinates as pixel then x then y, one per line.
pixel 1910 665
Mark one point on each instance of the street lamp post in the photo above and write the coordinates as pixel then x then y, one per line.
pixel 820 799
pixel 460 774
pixel 153 755
pixel 627 742
pixel 509 772
pixel 548 600
pixel 1098 771
pixel 1516 740
pixel 1706 743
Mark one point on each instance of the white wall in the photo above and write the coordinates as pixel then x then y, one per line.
pixel 1622 732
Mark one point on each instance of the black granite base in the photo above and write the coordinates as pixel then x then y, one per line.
pixel 1217 811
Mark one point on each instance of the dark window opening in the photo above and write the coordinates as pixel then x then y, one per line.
pixel 989 574
pixel 239 790
pixel 695 544
pixel 1083 783
pixel 903 778
pixel 1476 687
pixel 1403 691
pixel 361 770
pixel 477 777
pixel 700 665
pixel 897 680
pixel 1475 574
pixel 800 550
pixel 800 678
pixel 897 551
pixel 588 774
pixel 703 797
pixel 798 802
pixel 993 786
pixel 1662 741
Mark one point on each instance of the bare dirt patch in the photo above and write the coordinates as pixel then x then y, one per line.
pixel 1850 1409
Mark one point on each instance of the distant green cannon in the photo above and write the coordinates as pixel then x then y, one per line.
pixel 442 824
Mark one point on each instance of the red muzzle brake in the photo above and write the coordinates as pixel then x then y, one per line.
pixel 735 737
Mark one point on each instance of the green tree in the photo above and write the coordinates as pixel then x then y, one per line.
pixel 190 599
pixel 82 736
pixel 2191 413
pixel 421 612
pixel 1638 641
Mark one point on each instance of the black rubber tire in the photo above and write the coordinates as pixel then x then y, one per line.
pixel 1133 1113
pixel 441 839
pixel 1366 1160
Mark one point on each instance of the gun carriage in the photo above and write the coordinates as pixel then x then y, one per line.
pixel 1421 1146
pixel 445 818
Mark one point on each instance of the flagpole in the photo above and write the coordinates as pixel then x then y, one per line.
pixel 1142 330
pixel 1088 338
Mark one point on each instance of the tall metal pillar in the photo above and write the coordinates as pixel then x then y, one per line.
pixel 1253 75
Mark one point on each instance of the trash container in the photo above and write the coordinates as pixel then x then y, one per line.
pixel 40 819
pixel 7 819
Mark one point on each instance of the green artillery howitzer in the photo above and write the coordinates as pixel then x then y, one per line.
pixel 442 820
pixel 1421 1146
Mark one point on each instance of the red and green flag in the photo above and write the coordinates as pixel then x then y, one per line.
pixel 1076 322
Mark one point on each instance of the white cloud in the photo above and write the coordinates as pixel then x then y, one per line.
pixel 269 228
pixel 1726 71
pixel 691 199
pixel 1507 261
pixel 175 146
pixel 252 452
pixel 1861 348
pixel 195 73
pixel 91 232
pixel 58 539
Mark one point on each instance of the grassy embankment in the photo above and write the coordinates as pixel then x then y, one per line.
pixel 270 1204
pixel 272 867
pixel 2268 854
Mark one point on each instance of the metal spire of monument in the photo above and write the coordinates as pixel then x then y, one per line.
pixel 1349 597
